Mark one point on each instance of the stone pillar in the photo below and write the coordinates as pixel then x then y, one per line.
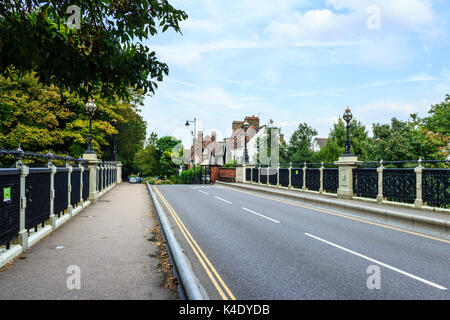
pixel 346 166
pixel 118 171
pixel 240 173
pixel 290 176
pixel 418 203
pixel 304 177
pixel 251 175
pixel 267 175
pixel 321 178
pixel 69 188
pixel 92 165
pixel 380 182
pixel 22 237
pixel 52 218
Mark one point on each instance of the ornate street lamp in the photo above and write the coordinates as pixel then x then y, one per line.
pixel 245 126
pixel 114 121
pixel 187 124
pixel 91 107
pixel 347 118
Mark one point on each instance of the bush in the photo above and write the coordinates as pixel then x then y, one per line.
pixel 186 176
pixel 150 180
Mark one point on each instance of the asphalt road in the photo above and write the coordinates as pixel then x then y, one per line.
pixel 247 246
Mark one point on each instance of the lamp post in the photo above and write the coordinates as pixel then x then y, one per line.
pixel 347 118
pixel 245 126
pixel 114 121
pixel 187 124
pixel 91 107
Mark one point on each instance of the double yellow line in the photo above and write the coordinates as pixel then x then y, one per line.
pixel 217 281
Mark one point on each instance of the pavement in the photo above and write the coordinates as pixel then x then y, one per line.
pixel 110 245
pixel 244 245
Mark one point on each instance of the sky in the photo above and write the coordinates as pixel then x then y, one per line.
pixel 294 61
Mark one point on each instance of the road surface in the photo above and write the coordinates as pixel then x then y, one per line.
pixel 244 245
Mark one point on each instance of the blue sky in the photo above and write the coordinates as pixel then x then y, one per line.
pixel 300 61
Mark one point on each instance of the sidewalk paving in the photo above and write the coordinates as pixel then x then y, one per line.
pixel 111 243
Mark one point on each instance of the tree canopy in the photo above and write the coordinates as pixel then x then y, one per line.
pixel 106 54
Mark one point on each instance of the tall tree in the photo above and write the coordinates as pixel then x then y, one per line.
pixel 104 51
pixel 299 149
pixel 358 136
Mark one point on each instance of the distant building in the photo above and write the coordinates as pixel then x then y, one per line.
pixel 319 143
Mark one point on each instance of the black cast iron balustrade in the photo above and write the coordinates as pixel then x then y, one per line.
pixel 75 196
pixel 399 185
pixel 61 186
pixel 436 187
pixel 255 175
pixel 365 182
pixel 9 205
pixel 273 176
pixel 284 177
pixel 37 192
pixel 297 178
pixel 263 177
pixel 330 180
pixel 86 179
pixel 248 174
pixel 312 179
pixel 100 179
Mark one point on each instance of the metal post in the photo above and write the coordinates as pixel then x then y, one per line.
pixel 52 217
pixel 81 183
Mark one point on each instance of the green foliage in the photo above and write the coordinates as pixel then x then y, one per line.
pixel 106 55
pixel 186 176
pixel 230 164
pixel 439 119
pixel 166 143
pixel 329 153
pixel 299 149
pixel 147 161
pixel 358 136
pixel 404 140
pixel 46 118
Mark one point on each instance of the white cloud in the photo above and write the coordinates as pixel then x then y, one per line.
pixel 199 26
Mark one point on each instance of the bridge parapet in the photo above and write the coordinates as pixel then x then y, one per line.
pixel 37 198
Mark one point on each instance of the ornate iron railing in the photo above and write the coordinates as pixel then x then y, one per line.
pixel 9 205
pixel 248 174
pixel 399 184
pixel 263 176
pixel 297 178
pixel 86 179
pixel 365 182
pixel 255 175
pixel 330 180
pixel 61 185
pixel 312 179
pixel 436 187
pixel 75 195
pixel 37 192
pixel 273 176
pixel 284 177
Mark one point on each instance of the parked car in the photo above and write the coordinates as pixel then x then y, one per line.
pixel 135 180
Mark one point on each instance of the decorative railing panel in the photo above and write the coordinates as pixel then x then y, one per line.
pixel 75 196
pixel 399 184
pixel 86 178
pixel 100 179
pixel 273 176
pixel 297 178
pixel 365 182
pixel 284 177
pixel 9 205
pixel 436 187
pixel 263 178
pixel 61 186
pixel 330 180
pixel 248 174
pixel 37 192
pixel 255 175
pixel 313 179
